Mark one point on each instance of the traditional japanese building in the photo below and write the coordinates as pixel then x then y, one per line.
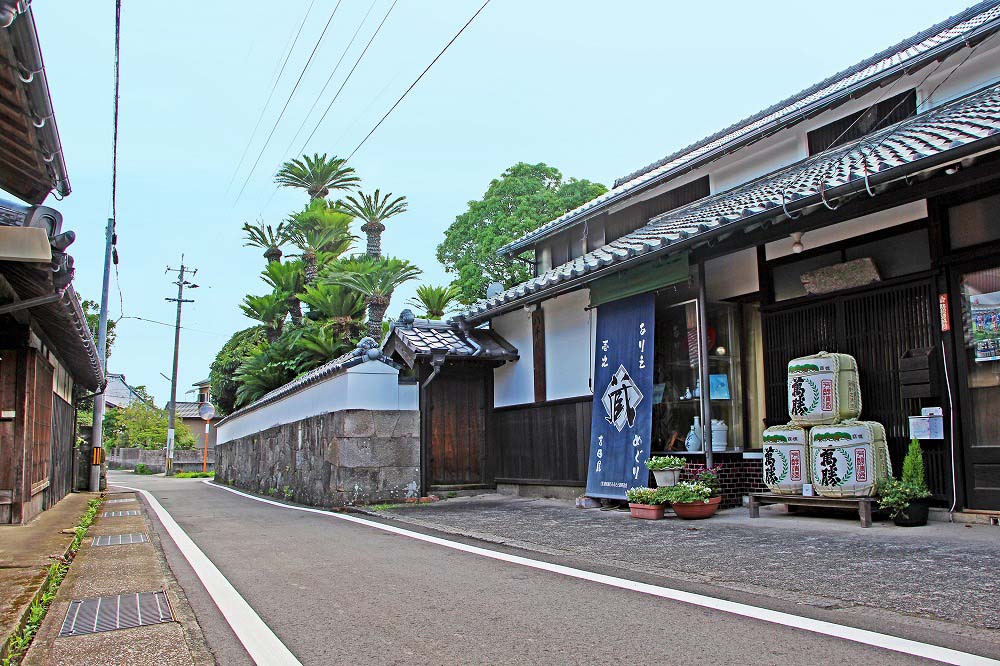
pixel 47 355
pixel 861 215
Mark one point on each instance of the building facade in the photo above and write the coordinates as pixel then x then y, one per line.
pixel 859 216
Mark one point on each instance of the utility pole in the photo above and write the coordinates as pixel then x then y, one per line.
pixel 172 407
pixel 97 431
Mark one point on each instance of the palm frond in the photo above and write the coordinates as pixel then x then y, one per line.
pixel 317 175
pixel 435 301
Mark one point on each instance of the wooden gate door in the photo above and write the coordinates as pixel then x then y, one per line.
pixel 454 427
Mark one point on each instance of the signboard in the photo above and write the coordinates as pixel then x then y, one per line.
pixel 986 326
pixel 623 391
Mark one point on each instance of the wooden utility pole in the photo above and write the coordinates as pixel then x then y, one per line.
pixel 172 406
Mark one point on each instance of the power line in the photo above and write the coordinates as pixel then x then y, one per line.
pixel 270 95
pixel 163 323
pixel 417 80
pixel 330 78
pixel 356 63
pixel 288 101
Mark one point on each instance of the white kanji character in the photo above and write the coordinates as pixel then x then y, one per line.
pixel 642 362
pixel 604 361
pixel 604 345
pixel 642 328
pixel 598 468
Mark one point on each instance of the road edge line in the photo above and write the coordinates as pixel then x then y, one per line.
pixel 845 632
pixel 260 642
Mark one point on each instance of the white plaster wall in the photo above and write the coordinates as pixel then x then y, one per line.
pixel 372 386
pixel 732 275
pixel 513 382
pixel 980 70
pixel 568 345
pixel 865 224
pixel 757 160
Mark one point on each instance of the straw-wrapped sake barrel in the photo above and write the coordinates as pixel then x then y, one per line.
pixel 823 389
pixel 786 461
pixel 848 459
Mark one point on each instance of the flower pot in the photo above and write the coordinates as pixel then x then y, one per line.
pixel 647 511
pixel 914 515
pixel 696 510
pixel 666 477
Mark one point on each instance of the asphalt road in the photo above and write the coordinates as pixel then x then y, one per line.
pixel 341 593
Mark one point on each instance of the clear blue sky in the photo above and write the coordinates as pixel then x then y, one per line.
pixel 596 89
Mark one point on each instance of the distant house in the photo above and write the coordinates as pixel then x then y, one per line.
pixel 188 413
pixel 118 392
pixel 47 354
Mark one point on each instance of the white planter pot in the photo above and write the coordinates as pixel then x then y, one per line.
pixel 666 477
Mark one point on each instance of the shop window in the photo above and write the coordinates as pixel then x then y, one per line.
pixel 974 222
pixel 677 373
pixel 847 129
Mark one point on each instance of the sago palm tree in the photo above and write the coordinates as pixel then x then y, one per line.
pixel 313 246
pixel 376 286
pixel 261 374
pixel 266 237
pixel 434 300
pixel 269 309
pixel 287 278
pixel 333 303
pixel 373 210
pixel 317 175
pixel 319 343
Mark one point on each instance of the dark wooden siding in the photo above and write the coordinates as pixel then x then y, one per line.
pixel 455 427
pixel 544 442
pixel 63 451
pixel 876 327
pixel 10 446
pixel 638 215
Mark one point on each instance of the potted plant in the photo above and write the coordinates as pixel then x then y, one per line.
pixel 906 498
pixel 646 503
pixel 666 469
pixel 692 500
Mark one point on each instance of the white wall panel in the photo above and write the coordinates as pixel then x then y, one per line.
pixel 513 382
pixel 568 345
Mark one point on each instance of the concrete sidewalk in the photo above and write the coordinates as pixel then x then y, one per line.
pixel 100 571
pixel 27 552
pixel 940 573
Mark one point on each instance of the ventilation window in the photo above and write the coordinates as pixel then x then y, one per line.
pixel 887 112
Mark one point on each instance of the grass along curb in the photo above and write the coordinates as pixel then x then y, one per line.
pixel 14 649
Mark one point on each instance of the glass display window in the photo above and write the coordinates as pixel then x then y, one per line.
pixel 677 387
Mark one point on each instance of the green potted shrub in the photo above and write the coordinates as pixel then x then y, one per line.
pixel 666 469
pixel 646 503
pixel 693 500
pixel 906 498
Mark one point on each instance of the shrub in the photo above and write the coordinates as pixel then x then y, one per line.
pixel 141 468
pixel 913 465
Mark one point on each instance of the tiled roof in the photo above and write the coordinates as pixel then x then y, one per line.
pixel 425 337
pixel 188 410
pixel 974 23
pixel 361 354
pixel 944 134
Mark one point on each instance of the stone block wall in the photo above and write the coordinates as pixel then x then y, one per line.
pixel 345 457
pixel 185 460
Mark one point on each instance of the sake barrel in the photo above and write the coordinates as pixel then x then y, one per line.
pixel 786 461
pixel 848 459
pixel 823 389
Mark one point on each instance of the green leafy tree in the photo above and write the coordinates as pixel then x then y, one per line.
pixel 287 278
pixel 435 301
pixel 521 200
pixel 264 372
pixel 376 286
pixel 266 237
pixel 317 175
pixel 92 312
pixel 374 209
pixel 269 309
pixel 141 425
pixel 241 346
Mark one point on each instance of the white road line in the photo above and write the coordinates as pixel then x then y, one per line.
pixel 884 641
pixel 260 642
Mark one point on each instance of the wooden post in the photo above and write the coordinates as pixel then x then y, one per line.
pixel 703 371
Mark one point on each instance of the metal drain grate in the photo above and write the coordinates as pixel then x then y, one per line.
pixel 118 514
pixel 119 539
pixel 119 501
pixel 124 611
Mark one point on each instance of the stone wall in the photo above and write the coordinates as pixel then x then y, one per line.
pixel 351 456
pixel 185 460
